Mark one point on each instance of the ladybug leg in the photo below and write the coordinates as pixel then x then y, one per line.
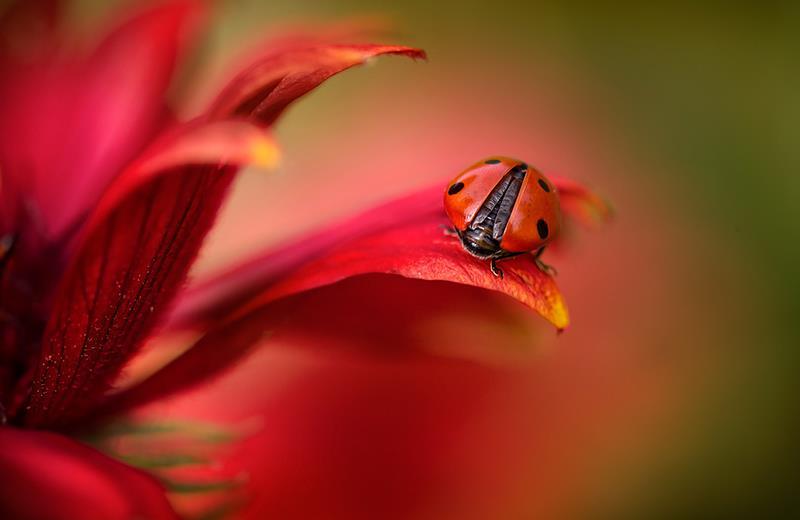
pixel 495 270
pixel 548 269
pixel 500 255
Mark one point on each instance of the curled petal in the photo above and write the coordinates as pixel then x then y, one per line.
pixel 129 263
pixel 216 297
pixel 420 249
pixel 404 237
pixel 46 475
pixel 264 90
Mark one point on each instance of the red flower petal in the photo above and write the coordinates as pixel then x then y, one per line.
pixel 216 297
pixel 68 125
pixel 266 88
pixel 130 262
pixel 405 237
pixel 197 142
pixel 396 316
pixel 49 476
pixel 420 249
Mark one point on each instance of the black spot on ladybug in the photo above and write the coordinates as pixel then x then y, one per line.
pixel 492 161
pixel 455 188
pixel 544 185
pixel 542 228
pixel 522 166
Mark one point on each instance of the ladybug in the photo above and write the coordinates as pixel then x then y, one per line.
pixel 501 208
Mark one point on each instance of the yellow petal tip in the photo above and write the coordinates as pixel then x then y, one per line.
pixel 265 153
pixel 559 316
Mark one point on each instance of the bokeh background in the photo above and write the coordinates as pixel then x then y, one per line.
pixel 673 394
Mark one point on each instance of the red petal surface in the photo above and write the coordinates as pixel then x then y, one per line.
pixel 197 142
pixel 45 475
pixel 419 249
pixel 356 422
pixel 68 125
pixel 138 251
pixel 392 324
pixel 130 262
pixel 266 88
pixel 214 298
pixel 405 237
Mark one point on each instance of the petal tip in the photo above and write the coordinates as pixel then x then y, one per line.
pixel 264 153
pixel 559 317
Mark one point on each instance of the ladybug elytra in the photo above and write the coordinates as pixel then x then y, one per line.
pixel 501 208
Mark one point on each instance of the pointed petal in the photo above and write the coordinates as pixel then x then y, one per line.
pixel 216 296
pixel 46 475
pixel 264 90
pixel 130 261
pixel 420 250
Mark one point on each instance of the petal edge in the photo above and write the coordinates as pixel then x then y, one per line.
pixel 267 87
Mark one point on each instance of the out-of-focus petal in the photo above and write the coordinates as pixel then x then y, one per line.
pixel 580 202
pixel 69 125
pixel 129 263
pixel 267 87
pixel 45 475
pixel 386 430
pixel 410 316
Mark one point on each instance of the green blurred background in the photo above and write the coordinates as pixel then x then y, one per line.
pixel 705 99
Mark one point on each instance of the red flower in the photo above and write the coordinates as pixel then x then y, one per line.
pixel 104 204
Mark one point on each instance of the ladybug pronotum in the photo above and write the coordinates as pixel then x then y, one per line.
pixel 501 208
